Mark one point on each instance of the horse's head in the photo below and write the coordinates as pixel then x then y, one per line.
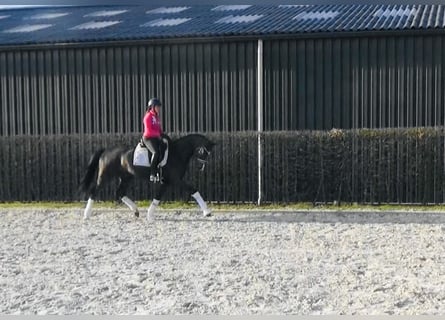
pixel 202 150
pixel 194 146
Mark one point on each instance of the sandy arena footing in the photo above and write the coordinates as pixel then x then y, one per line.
pixel 233 263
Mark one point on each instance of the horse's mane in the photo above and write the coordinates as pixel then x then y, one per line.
pixel 189 137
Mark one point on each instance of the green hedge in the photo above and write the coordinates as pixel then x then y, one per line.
pixel 364 166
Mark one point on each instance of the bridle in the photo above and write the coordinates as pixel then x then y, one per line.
pixel 202 151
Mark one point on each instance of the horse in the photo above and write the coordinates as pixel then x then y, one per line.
pixel 117 162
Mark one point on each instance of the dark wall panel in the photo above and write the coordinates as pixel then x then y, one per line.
pixel 309 83
pixel 363 82
pixel 204 87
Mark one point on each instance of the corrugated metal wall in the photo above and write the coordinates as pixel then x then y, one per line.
pixel 373 82
pixel 204 87
pixel 310 83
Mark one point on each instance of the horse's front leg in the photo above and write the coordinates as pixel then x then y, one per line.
pixel 206 211
pixel 160 190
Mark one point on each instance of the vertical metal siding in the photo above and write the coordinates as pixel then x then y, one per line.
pixel 105 102
pixel 320 83
pixel 300 85
pixel 3 103
pixel 320 65
pixel 40 99
pixel 26 89
pixel 79 93
pixel 17 91
pixel 223 92
pixel 116 61
pixel 204 87
pixel 355 84
pixel 209 99
pixel 327 116
pixel 64 90
pixel 175 87
pixel 375 82
pixel 33 94
pixel 127 112
pixel 11 91
pixel 87 107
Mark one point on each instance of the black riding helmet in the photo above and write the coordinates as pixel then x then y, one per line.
pixel 154 102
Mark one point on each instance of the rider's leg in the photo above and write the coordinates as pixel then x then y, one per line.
pixel 154 164
pixel 153 146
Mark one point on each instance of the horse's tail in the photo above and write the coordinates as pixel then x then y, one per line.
pixel 90 173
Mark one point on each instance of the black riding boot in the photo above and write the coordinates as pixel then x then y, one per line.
pixel 154 175
pixel 153 145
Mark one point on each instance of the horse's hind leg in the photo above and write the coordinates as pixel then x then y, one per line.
pixel 121 194
pixel 93 191
pixel 130 204
pixel 89 206
pixel 88 209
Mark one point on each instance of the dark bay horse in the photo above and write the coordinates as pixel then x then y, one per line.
pixel 117 162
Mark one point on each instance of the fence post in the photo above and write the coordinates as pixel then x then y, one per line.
pixel 260 118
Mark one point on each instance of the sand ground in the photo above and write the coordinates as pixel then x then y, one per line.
pixel 233 263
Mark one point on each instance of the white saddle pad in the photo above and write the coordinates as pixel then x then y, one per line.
pixel 142 157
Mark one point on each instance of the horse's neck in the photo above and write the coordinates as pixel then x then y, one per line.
pixel 186 153
pixel 184 149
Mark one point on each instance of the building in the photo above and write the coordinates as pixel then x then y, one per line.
pixel 70 72
pixel 92 69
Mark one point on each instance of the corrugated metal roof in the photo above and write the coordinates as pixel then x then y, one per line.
pixel 107 23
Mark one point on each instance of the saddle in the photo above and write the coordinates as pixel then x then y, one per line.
pixel 142 156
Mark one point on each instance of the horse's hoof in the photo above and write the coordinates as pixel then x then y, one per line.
pixel 207 213
pixel 136 214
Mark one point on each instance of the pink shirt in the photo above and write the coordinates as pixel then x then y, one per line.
pixel 152 125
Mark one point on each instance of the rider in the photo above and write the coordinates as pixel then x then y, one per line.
pixel 152 135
